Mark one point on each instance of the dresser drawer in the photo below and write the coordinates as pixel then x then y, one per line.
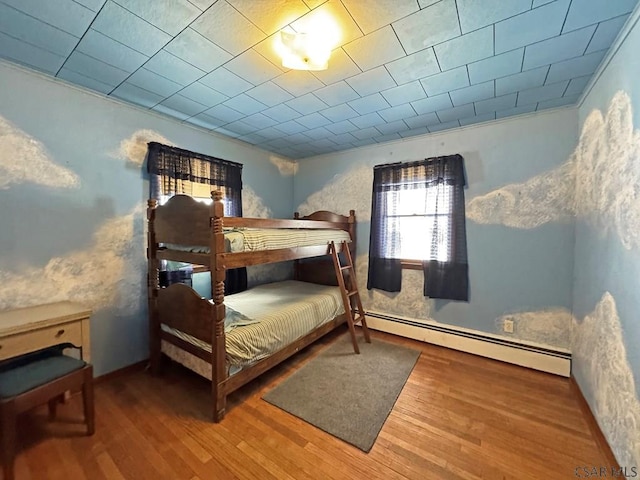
pixel 32 340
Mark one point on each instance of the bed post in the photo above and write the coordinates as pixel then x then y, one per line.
pixel 296 263
pixel 352 232
pixel 217 269
pixel 153 284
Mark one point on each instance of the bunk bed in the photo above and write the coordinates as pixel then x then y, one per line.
pixel 181 322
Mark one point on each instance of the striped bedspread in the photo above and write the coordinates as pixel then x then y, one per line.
pixel 251 239
pixel 284 311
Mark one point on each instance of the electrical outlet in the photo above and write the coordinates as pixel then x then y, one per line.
pixel 507 325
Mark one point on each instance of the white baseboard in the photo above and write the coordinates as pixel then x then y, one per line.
pixel 526 354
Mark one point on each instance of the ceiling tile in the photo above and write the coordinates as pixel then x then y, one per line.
pixel 340 67
pixel 496 67
pixel 336 93
pixel 92 68
pixel 521 81
pixel 281 113
pixel 270 16
pixel 125 27
pixel 318 133
pixel 387 138
pixel 558 102
pixel 269 93
pixel 533 26
pixel 444 126
pixel 226 132
pixel 239 127
pixel 577 85
pixel 397 113
pixel 456 113
pixel 335 10
pixel 65 15
pixel 375 49
pixel 103 48
pixel 183 105
pixel 481 91
pixel 371 81
pixel 343 138
pixel 339 113
pixel 259 121
pixel 298 82
pixel 509 112
pixel 487 117
pixel 226 82
pixel 435 24
pixel 313 120
pixel 465 49
pixel 368 120
pixel 39 34
pixel 341 127
pixel 369 104
pixel 431 104
pixel 171 16
pixel 252 138
pixel 413 67
pixel 227 28
pixel 306 104
pixel 268 49
pixel 588 12
pixel 253 67
pixel 297 138
pixel 29 55
pixel 173 68
pixel 325 142
pixel 576 67
pixel 366 133
pixel 415 131
pixel 195 49
pixel 446 81
pixel 557 49
pixel 364 142
pixel 539 94
pixel 474 14
pixel 153 82
pixel 422 120
pixel 90 83
pixel 224 114
pixel 371 16
pixel 539 3
pixel 606 33
pixel 131 93
pixel 94 5
pixel 270 133
pixel 200 93
pixel 245 104
pixel 203 4
pixel 392 127
pixel 404 93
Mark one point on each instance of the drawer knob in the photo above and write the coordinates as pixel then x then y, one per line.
pixel 60 333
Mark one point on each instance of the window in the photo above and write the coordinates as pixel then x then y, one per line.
pixel 424 230
pixel 417 220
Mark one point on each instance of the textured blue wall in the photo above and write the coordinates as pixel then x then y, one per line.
pixel 520 226
pixel 73 196
pixel 607 252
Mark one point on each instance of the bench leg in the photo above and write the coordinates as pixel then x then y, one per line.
pixel 87 399
pixel 8 420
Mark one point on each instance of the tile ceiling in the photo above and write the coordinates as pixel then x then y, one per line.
pixel 403 67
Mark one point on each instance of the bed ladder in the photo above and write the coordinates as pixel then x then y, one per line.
pixel 350 294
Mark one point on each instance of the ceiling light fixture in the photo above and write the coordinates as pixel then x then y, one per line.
pixel 304 51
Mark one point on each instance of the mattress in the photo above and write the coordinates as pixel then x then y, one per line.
pixel 252 239
pixel 280 313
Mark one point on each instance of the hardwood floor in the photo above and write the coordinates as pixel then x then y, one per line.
pixel 458 417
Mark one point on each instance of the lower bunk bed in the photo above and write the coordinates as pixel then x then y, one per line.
pixel 262 327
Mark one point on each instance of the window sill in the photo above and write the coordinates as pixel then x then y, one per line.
pixel 411 264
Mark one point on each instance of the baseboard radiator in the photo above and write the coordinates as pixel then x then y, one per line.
pixel 527 354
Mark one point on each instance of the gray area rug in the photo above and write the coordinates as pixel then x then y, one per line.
pixel 348 395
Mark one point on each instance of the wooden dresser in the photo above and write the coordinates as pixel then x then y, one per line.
pixel 28 329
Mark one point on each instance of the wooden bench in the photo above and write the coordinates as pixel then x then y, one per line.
pixel 36 378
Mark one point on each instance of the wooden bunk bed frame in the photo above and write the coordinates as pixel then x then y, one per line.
pixel 184 221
